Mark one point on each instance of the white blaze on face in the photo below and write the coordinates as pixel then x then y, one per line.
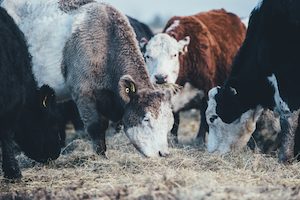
pixel 162 57
pixel 224 137
pixel 150 137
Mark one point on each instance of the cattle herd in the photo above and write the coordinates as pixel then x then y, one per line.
pixel 86 62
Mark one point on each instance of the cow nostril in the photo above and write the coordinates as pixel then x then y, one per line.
pixel 160 78
pixel 161 154
pixel 213 118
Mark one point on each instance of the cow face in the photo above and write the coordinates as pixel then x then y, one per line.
pixel 224 137
pixel 147 118
pixel 39 137
pixel 162 57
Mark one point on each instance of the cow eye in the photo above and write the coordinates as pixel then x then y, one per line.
pixel 146 119
pixel 147 57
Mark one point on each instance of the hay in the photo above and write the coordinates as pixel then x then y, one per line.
pixel 189 173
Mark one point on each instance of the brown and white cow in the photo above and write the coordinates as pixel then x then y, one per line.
pixel 196 49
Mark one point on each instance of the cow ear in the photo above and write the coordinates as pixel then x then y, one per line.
pixel 127 88
pixel 143 42
pixel 183 44
pixel 47 96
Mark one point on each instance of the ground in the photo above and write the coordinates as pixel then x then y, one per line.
pixel 189 173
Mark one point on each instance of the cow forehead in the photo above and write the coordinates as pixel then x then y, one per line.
pixel 162 42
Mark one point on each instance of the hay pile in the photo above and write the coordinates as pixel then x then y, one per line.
pixel 189 173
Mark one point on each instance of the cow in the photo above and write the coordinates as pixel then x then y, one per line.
pixel 196 49
pixel 93 58
pixel 265 75
pixel 28 114
pixel 142 31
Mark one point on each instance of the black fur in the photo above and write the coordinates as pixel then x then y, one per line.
pixel 25 115
pixel 141 30
pixel 271 46
pixel 69 113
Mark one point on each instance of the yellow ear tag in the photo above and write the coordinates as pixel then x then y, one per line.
pixel 44 102
pixel 132 87
pixel 127 90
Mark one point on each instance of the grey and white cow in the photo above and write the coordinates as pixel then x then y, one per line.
pixel 91 55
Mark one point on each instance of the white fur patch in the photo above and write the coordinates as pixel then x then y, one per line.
pixel 46 29
pixel 162 57
pixel 224 137
pixel 150 138
pixel 281 106
pixel 173 26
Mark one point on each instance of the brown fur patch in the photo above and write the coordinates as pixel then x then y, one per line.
pixel 216 37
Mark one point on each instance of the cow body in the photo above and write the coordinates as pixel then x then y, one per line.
pixel 94 58
pixel 27 115
pixel 196 49
pixel 264 74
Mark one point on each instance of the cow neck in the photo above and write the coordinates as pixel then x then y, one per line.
pixel 249 75
pixel 126 55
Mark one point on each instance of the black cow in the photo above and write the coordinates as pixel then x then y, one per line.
pixel 27 115
pixel 265 74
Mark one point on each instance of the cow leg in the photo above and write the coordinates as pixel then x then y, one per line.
pixel 94 124
pixel 10 165
pixel 289 124
pixel 175 127
pixel 203 123
pixel 297 141
pixel 97 132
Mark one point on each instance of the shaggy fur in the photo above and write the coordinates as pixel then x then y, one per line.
pixel 25 115
pixel 141 30
pixel 93 57
pixel 92 76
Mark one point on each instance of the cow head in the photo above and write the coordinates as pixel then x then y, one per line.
pixel 39 136
pixel 223 136
pixel 162 57
pixel 147 117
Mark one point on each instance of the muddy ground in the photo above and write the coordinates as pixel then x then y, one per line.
pixel 189 173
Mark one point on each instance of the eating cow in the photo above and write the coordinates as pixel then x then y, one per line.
pixel 92 57
pixel 265 74
pixel 197 50
pixel 28 114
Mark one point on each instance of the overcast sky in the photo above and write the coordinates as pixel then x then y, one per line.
pixel 145 10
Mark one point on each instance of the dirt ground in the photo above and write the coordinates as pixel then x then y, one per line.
pixel 189 173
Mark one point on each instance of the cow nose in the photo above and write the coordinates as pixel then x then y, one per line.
pixel 213 118
pixel 162 154
pixel 160 78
